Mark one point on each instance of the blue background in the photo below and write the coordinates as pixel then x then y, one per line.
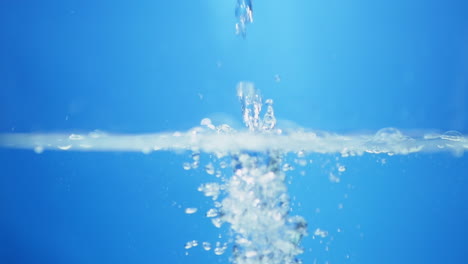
pixel 153 66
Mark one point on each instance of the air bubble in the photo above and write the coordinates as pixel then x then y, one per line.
pixel 219 250
pixel 206 246
pixel 191 210
pixel 187 166
pixel 66 147
pixel 210 169
pixel 320 232
pixel 212 213
pixel 38 149
pixel 452 135
pixel 75 137
pixel 333 178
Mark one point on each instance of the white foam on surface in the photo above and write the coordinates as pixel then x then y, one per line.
pixel 388 140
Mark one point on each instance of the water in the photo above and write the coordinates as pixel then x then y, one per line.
pixel 274 192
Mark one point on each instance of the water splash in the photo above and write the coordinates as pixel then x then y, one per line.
pixel 244 15
pixel 254 200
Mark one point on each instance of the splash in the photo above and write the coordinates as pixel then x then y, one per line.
pixel 254 200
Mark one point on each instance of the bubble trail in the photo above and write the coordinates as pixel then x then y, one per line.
pixel 244 15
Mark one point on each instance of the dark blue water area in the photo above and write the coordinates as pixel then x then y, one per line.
pixel 155 66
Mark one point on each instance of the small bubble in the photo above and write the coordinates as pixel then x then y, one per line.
pixel 196 156
pixel 219 250
pixel 287 167
pixel 206 246
pixel 191 244
pixel 38 149
pixel 217 222
pixel 340 206
pixel 207 122
pixel 67 147
pixel 452 135
pixel 341 168
pixel 96 134
pixel 188 245
pixel 333 178
pixel 209 169
pixel 146 150
pixel 223 164
pixel 301 154
pixel 320 232
pixel 212 213
pixel 277 78
pixel 301 162
pixel 191 210
pixel 75 137
pixel 187 166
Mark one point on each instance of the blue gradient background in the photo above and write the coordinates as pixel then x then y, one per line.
pixel 150 66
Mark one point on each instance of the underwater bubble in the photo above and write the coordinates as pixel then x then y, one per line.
pixel 191 210
pixel 212 213
pixel 300 154
pixel 220 249
pixel 320 232
pixel 191 244
pixel 223 164
pixel 206 246
pixel 452 135
pixel 210 169
pixel 196 156
pixel 38 149
pixel 388 134
pixel 66 147
pixel 97 134
pixel 333 178
pixel 217 222
pixel 187 166
pixel 75 137
pixel 210 189
pixel 341 168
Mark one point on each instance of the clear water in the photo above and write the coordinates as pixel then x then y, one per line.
pixel 386 196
